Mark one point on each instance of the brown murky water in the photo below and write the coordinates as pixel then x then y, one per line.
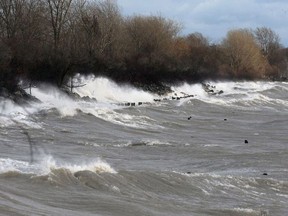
pixel 98 158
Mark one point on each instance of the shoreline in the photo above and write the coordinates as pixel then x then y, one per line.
pixel 19 96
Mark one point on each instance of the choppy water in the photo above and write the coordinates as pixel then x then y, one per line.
pixel 101 158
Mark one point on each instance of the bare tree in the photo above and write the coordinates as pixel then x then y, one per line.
pixel 11 14
pixel 97 29
pixel 197 40
pixel 243 54
pixel 150 39
pixel 268 40
pixel 58 10
pixel 198 51
pixel 109 20
pixel 88 25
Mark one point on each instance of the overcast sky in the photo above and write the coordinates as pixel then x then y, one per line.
pixel 214 18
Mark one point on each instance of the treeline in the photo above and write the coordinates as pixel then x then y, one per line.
pixel 51 40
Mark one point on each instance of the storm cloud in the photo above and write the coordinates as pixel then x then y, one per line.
pixel 214 18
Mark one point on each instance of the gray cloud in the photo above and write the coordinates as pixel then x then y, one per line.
pixel 214 18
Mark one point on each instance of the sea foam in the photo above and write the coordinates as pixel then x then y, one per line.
pixel 48 163
pixel 105 90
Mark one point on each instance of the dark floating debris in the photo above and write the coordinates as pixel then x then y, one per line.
pixel 225 119
pixel 189 117
pixel 138 144
pixel 246 141
pixel 188 172
pixel 142 103
pixel 220 92
pixel 157 100
pixel 265 174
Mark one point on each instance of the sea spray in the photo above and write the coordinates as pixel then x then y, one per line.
pixel 106 90
pixel 71 182
pixel 110 97
pixel 48 163
pixel 11 114
pixel 55 100
pixel 239 95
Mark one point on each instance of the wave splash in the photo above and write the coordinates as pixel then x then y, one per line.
pixel 48 164
pixel 240 94
pixel 109 96
pixel 105 90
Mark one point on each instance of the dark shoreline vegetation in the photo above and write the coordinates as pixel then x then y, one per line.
pixel 52 40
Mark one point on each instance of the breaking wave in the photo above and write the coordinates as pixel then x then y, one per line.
pixel 48 164
pixel 240 94
pixel 105 90
pixel 104 99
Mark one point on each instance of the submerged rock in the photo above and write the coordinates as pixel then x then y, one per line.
pixel 157 100
pixel 19 96
pixel 211 89
pixel 76 96
pixel 220 92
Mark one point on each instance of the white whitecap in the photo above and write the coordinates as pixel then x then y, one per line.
pixel 48 163
pixel 105 90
